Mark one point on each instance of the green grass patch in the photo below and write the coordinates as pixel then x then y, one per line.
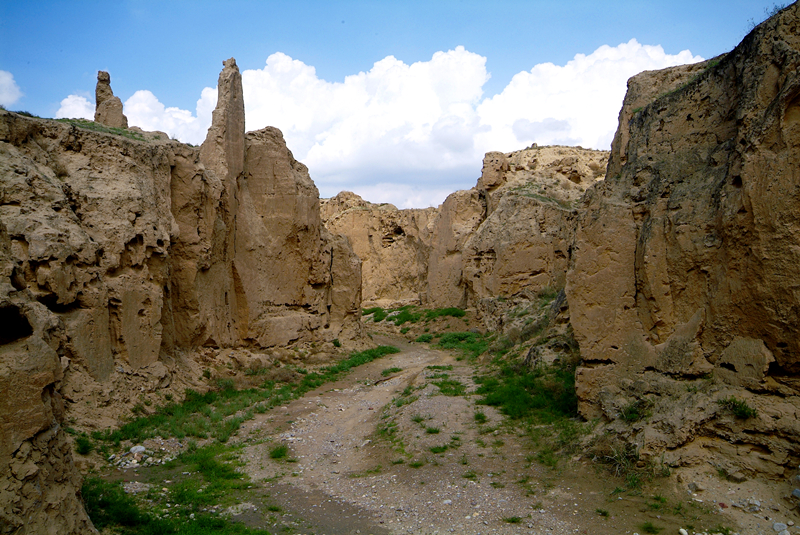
pixel 447 368
pixel 219 413
pixel 378 314
pixel 424 338
pixel 97 127
pixel 450 387
pixel 649 527
pixel 545 393
pixel 439 449
pixel 443 312
pixel 432 430
pixel 480 417
pixel 279 452
pixel 634 411
pixel 83 444
pixel 389 371
pixel 512 520
pixel 469 344
pixel 405 315
pixel 212 482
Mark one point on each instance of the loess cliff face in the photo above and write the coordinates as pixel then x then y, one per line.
pixel 120 256
pixel 507 237
pixel 686 263
pixel 392 244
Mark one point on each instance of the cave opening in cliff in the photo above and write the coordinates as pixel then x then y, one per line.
pixel 13 325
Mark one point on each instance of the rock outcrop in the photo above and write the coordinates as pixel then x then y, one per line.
pixel 509 235
pixel 392 244
pixel 108 108
pixel 121 257
pixel 683 285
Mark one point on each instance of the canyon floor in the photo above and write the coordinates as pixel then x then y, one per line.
pixel 385 450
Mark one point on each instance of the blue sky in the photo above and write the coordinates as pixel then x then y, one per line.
pixel 314 68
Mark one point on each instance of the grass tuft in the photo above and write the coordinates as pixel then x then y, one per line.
pixel 279 452
pixel 739 408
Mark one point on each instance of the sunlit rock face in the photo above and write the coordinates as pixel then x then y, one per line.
pixel 508 235
pixel 123 254
pixel 686 259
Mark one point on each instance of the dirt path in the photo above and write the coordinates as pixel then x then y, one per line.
pixel 378 454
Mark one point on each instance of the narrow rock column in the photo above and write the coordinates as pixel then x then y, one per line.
pixel 108 108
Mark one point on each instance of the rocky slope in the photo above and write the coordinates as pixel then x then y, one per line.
pixel 683 284
pixel 505 237
pixel 121 256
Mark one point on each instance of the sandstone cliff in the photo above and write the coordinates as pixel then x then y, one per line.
pixel 683 284
pixel 392 244
pixel 120 256
pixel 508 236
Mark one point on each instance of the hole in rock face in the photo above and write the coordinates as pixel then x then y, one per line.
pixel 728 366
pixel 736 182
pixel 13 325
pixel 52 304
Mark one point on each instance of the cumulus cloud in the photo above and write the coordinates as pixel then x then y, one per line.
pixel 393 117
pixel 410 134
pixel 75 107
pixel 574 104
pixel 144 110
pixel 9 90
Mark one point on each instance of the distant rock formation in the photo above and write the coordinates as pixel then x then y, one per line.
pixel 510 234
pixel 392 245
pixel 123 257
pixel 683 286
pixel 108 108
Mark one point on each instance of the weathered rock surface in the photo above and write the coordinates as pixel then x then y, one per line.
pixel 509 235
pixel 683 286
pixel 121 258
pixel 391 243
pixel 108 108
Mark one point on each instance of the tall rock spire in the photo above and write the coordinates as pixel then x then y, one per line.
pixel 108 108
pixel 223 149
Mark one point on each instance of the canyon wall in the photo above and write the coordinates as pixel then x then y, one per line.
pixel 507 236
pixel 392 244
pixel 684 283
pixel 121 256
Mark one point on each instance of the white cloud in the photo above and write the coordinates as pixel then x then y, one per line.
pixel 75 107
pixel 9 90
pixel 144 110
pixel 574 104
pixel 402 195
pixel 394 116
pixel 410 134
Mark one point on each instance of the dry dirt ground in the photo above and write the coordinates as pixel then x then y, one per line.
pixel 360 461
